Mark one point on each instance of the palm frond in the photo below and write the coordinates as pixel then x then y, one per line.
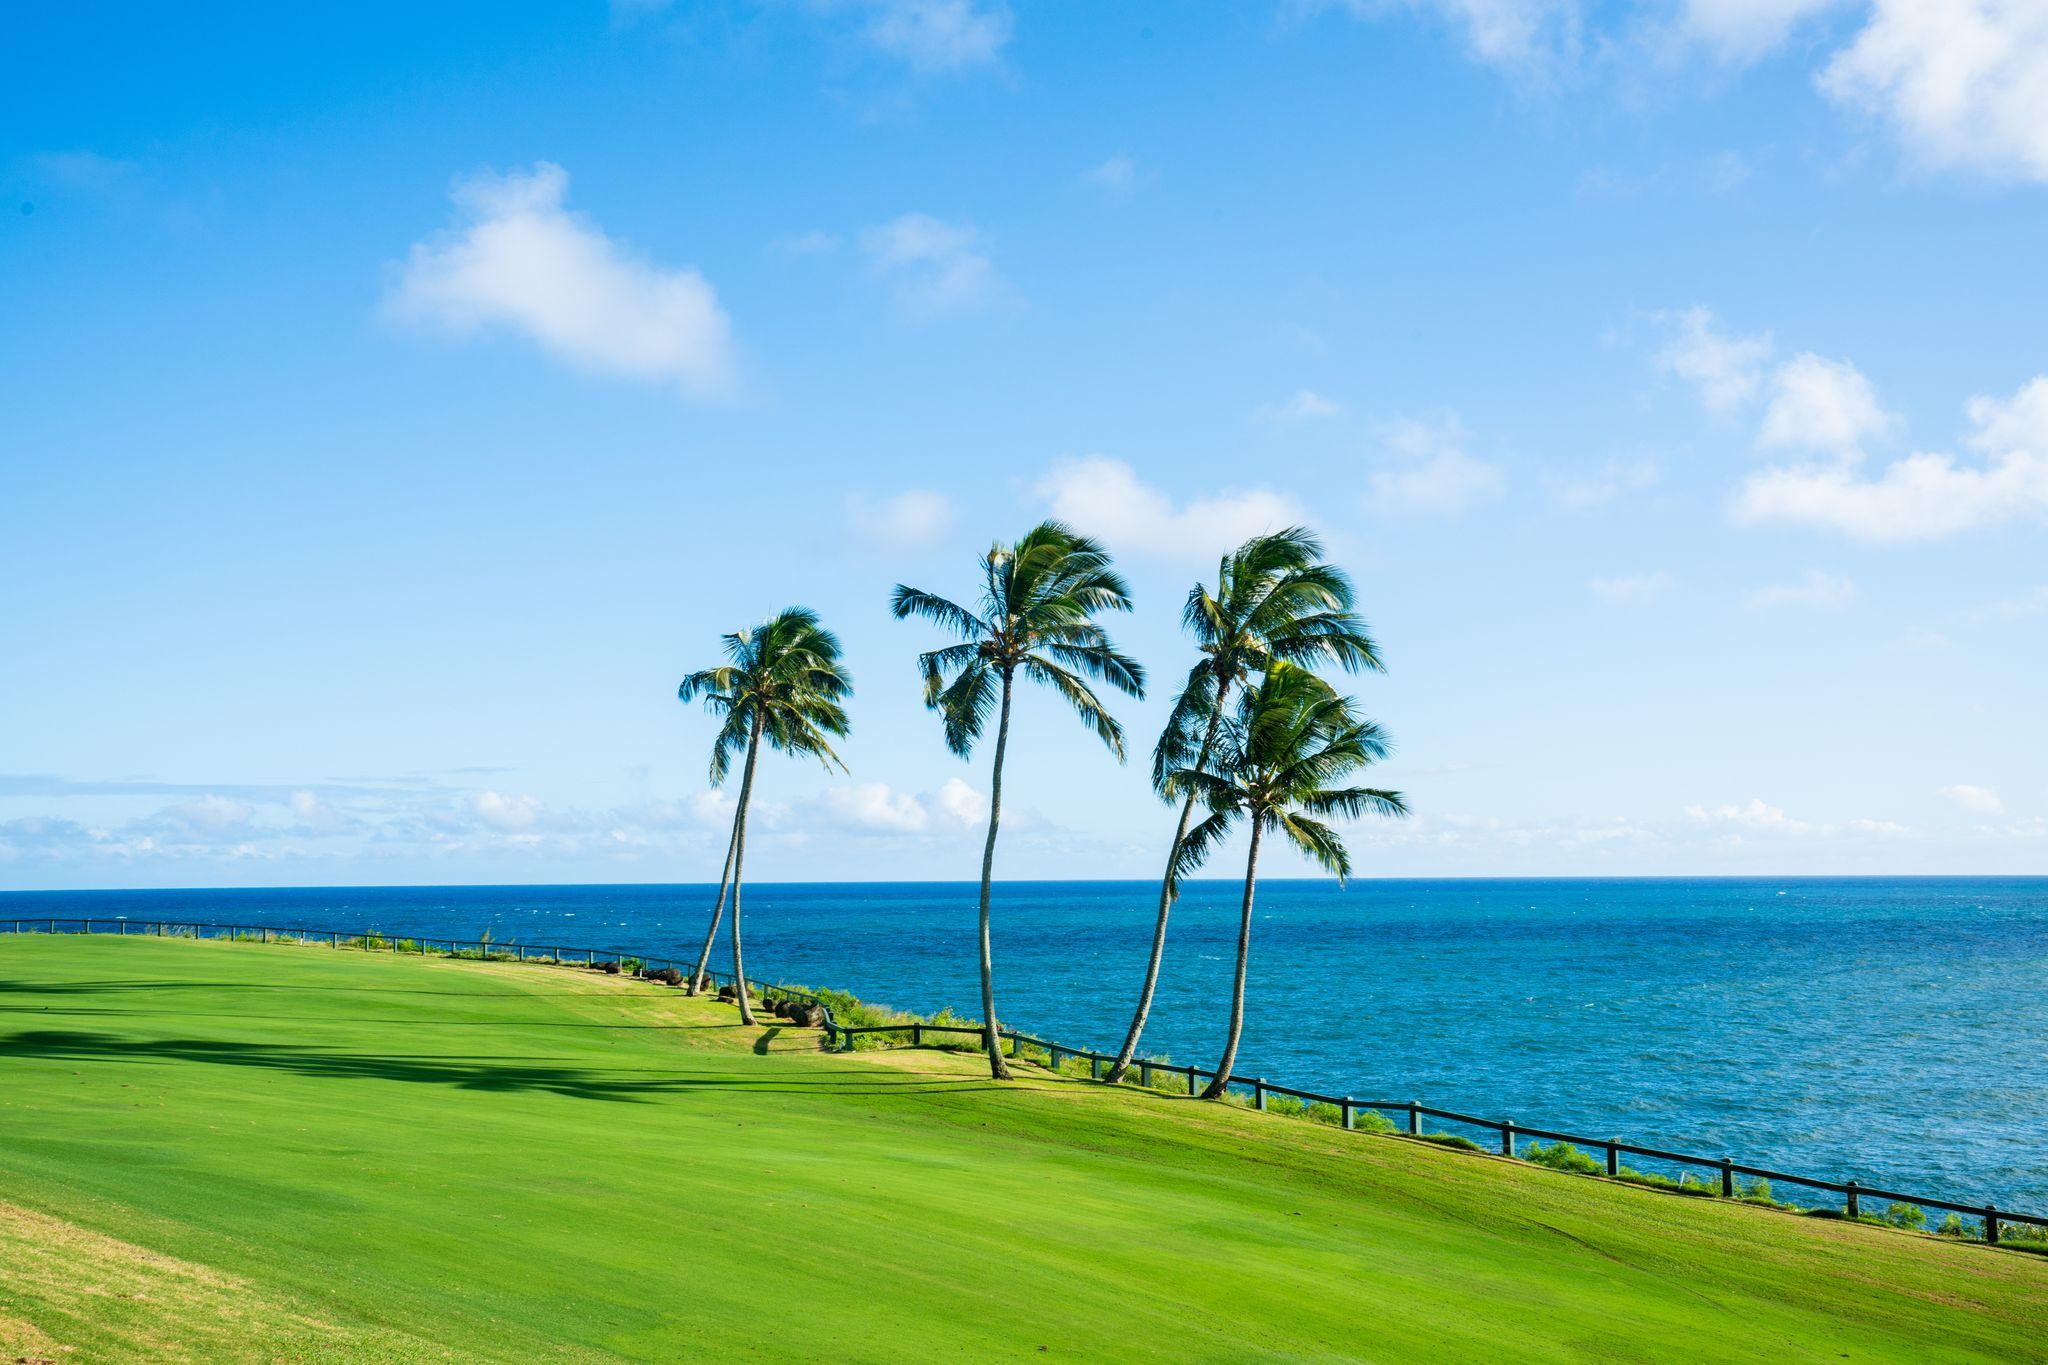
pixel 1185 724
pixel 907 602
pixel 1201 841
pixel 1315 839
pixel 1078 695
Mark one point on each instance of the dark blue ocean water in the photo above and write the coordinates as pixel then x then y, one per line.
pixel 1890 1030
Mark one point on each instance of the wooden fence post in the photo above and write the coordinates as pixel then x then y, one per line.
pixel 1614 1156
pixel 1991 1225
pixel 1415 1118
pixel 1727 1178
pixel 1852 1209
pixel 1259 1095
pixel 1145 1074
pixel 916 1034
pixel 1349 1114
pixel 1507 1137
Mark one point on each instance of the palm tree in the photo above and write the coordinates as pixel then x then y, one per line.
pixel 783 683
pixel 1274 764
pixel 1275 598
pixel 1035 617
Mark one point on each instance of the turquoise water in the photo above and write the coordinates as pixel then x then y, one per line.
pixel 1894 1031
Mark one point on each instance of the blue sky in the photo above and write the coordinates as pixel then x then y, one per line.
pixel 398 404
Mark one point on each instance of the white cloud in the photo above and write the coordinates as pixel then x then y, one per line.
pixel 1744 30
pixel 1982 800
pixel 1432 472
pixel 1816 589
pixel 1613 478
pixel 875 806
pixel 1118 174
pixel 960 802
pixel 1638 590
pixel 1821 404
pixel 507 814
pixel 207 815
pixel 916 516
pixel 1925 495
pixel 939 268
pixel 1105 497
pixel 2026 604
pixel 1726 370
pixel 1756 814
pixel 1303 405
pixel 1964 82
pixel 521 261
pixel 1527 36
pixel 816 242
pixel 937 35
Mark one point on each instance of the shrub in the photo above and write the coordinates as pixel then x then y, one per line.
pixel 1451 1140
pixel 1952 1226
pixel 1561 1156
pixel 1909 1216
pixel 1372 1121
pixel 608 968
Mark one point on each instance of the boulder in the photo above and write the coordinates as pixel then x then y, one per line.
pixel 805 1014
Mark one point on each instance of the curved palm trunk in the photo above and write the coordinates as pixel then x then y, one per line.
pixel 718 910
pixel 1166 898
pixel 1244 944
pixel 991 1034
pixel 739 857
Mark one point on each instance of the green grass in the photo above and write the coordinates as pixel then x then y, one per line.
pixel 213 1151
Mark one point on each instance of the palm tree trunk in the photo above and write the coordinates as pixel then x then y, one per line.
pixel 717 911
pixel 739 857
pixel 991 1036
pixel 1180 834
pixel 1244 945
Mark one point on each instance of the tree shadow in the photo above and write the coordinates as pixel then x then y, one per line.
pixel 491 1074
pixel 762 1043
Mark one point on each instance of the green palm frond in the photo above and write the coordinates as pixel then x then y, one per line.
pixel 1201 841
pixel 1315 839
pixel 784 675
pixel 1078 695
pixel 1039 597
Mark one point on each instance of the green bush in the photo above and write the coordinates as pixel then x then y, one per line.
pixel 1562 1156
pixel 1452 1140
pixel 1909 1216
pixel 1953 1226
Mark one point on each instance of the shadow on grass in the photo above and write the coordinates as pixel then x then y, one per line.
pixel 474 1073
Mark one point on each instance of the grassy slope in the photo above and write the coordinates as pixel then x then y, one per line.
pixel 292 1151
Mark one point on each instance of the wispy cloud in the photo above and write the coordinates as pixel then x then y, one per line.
pixel 1303 405
pixel 914 517
pixel 1980 800
pixel 1817 589
pixel 1427 470
pixel 1107 498
pixel 938 268
pixel 520 261
pixel 1635 590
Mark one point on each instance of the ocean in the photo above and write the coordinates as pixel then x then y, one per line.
pixel 1889 1030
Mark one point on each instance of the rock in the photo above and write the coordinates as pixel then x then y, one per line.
pixel 805 1014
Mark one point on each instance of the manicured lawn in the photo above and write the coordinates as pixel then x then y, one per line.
pixel 211 1151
